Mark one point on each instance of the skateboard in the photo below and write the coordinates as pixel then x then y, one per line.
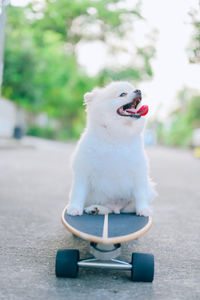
pixel 105 234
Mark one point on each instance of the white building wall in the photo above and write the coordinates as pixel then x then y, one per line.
pixel 11 116
pixel 8 116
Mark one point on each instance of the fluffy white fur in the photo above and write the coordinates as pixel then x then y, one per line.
pixel 109 164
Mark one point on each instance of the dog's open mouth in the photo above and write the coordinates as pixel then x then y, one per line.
pixel 130 109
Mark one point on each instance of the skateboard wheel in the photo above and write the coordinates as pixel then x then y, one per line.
pixel 67 263
pixel 142 267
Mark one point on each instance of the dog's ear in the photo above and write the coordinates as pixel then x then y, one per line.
pixel 88 98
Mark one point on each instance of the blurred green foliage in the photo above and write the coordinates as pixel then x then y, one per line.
pixel 43 132
pixel 179 129
pixel 41 71
pixel 186 117
pixel 183 120
pixel 194 46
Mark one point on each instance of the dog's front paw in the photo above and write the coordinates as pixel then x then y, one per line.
pixel 74 210
pixel 144 211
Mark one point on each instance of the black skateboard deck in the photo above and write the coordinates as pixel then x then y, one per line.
pixel 109 228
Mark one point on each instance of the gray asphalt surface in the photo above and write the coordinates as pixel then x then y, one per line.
pixel 34 183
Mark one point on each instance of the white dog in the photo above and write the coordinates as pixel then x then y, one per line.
pixel 109 164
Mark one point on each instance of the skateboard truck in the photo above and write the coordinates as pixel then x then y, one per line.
pixel 105 257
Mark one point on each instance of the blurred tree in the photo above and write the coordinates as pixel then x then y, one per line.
pixel 183 120
pixel 179 130
pixel 194 48
pixel 41 70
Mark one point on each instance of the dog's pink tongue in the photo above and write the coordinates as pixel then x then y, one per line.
pixel 142 111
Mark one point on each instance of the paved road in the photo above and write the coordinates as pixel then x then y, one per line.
pixel 34 183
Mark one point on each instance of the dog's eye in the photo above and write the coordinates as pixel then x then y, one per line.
pixel 123 94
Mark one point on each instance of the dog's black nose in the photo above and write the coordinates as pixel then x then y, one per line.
pixel 137 92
